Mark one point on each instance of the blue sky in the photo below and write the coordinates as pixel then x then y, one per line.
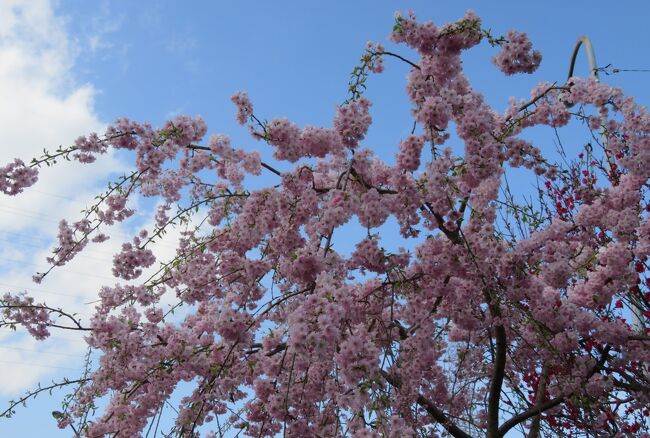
pixel 70 67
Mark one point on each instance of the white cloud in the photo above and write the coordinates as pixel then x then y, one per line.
pixel 43 107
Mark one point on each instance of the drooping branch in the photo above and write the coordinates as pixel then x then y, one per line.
pixel 400 57
pixel 35 317
pixel 32 394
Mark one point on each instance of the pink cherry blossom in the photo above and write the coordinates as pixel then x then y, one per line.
pixel 517 55
pixel 353 296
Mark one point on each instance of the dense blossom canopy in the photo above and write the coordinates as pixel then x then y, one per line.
pixel 504 315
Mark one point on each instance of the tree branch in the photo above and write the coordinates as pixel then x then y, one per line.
pixel 32 394
pixel 536 410
pixel 428 406
pixel 539 399
pixel 498 373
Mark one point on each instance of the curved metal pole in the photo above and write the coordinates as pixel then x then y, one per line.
pixel 591 56
pixel 637 316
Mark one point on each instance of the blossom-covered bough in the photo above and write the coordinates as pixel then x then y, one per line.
pixel 506 315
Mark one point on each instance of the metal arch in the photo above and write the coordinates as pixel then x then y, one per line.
pixel 591 57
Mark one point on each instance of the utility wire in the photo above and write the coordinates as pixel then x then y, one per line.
pixel 45 291
pixel 39 365
pixel 31 350
pixel 23 262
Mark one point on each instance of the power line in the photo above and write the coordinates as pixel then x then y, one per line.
pixel 76 200
pixel 45 291
pixel 32 245
pixel 59 269
pixel 32 237
pixel 54 220
pixel 42 218
pixel 31 350
pixel 39 365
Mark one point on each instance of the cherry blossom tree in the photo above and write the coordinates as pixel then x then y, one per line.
pixel 504 315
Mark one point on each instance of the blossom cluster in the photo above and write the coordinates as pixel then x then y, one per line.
pixel 128 263
pixel 88 147
pixel 244 107
pixel 352 121
pixel 16 176
pixel 517 55
pixel 69 243
pixel 22 309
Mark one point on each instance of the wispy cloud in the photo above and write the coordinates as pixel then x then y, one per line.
pixel 43 106
pixel 184 46
pixel 97 36
pixel 102 25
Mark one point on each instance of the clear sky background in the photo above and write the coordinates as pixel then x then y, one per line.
pixel 71 67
